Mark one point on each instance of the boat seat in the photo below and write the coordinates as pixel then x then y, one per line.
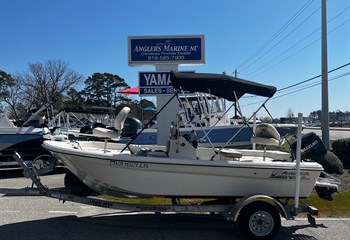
pixel 120 118
pixel 230 153
pixel 105 133
pixel 267 135
pixel 118 125
pixel 265 141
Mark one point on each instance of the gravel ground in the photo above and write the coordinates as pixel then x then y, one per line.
pixel 345 180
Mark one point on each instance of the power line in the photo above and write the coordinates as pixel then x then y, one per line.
pixel 298 90
pixel 313 85
pixel 286 58
pixel 269 50
pixel 290 21
pixel 305 87
pixel 339 14
pixel 246 64
pixel 310 79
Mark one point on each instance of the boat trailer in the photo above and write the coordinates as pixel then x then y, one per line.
pixel 258 216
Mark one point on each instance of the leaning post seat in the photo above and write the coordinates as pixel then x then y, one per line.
pixel 267 135
pixel 118 125
pixel 120 118
pixel 105 133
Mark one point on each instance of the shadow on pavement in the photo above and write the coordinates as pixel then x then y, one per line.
pixel 135 226
pixel 290 232
pixel 108 227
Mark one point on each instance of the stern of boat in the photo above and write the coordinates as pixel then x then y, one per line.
pixel 326 185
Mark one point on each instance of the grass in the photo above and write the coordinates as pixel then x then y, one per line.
pixel 338 208
pixel 157 200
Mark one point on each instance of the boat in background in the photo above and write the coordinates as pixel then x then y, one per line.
pixel 83 120
pixel 198 113
pixel 26 140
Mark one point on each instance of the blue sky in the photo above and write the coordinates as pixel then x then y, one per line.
pixel 92 37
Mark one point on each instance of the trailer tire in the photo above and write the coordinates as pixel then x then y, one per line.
pixel 259 220
pixel 44 164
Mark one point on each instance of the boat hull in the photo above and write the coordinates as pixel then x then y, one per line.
pixel 28 145
pixel 117 174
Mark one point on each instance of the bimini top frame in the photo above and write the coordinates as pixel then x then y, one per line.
pixel 220 85
pixel 223 86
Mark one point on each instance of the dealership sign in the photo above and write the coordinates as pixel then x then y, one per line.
pixel 155 83
pixel 153 50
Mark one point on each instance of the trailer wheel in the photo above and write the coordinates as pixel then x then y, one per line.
pixel 44 164
pixel 259 220
pixel 78 187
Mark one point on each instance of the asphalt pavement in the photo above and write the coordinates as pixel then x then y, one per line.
pixel 334 133
pixel 35 218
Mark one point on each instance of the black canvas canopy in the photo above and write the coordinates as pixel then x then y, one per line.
pixel 220 85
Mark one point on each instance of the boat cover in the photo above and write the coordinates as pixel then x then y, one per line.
pixel 220 85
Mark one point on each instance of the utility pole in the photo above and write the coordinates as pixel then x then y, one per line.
pixel 325 110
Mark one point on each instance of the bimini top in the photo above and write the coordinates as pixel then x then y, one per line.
pixel 220 85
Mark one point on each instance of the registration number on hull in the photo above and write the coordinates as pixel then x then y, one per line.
pixel 128 164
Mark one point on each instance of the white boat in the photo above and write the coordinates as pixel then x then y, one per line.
pixel 156 174
pixel 181 169
pixel 27 141
pixel 220 136
pixel 199 112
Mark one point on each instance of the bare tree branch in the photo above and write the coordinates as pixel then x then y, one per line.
pixel 49 80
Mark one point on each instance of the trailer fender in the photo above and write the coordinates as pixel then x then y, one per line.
pixel 250 199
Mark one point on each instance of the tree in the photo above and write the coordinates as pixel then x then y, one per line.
pixel 42 83
pixel 5 78
pixel 290 113
pixel 137 108
pixel 147 115
pixel 6 81
pixel 100 89
pixel 48 80
pixel 73 99
pixel 316 115
pixel 9 92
